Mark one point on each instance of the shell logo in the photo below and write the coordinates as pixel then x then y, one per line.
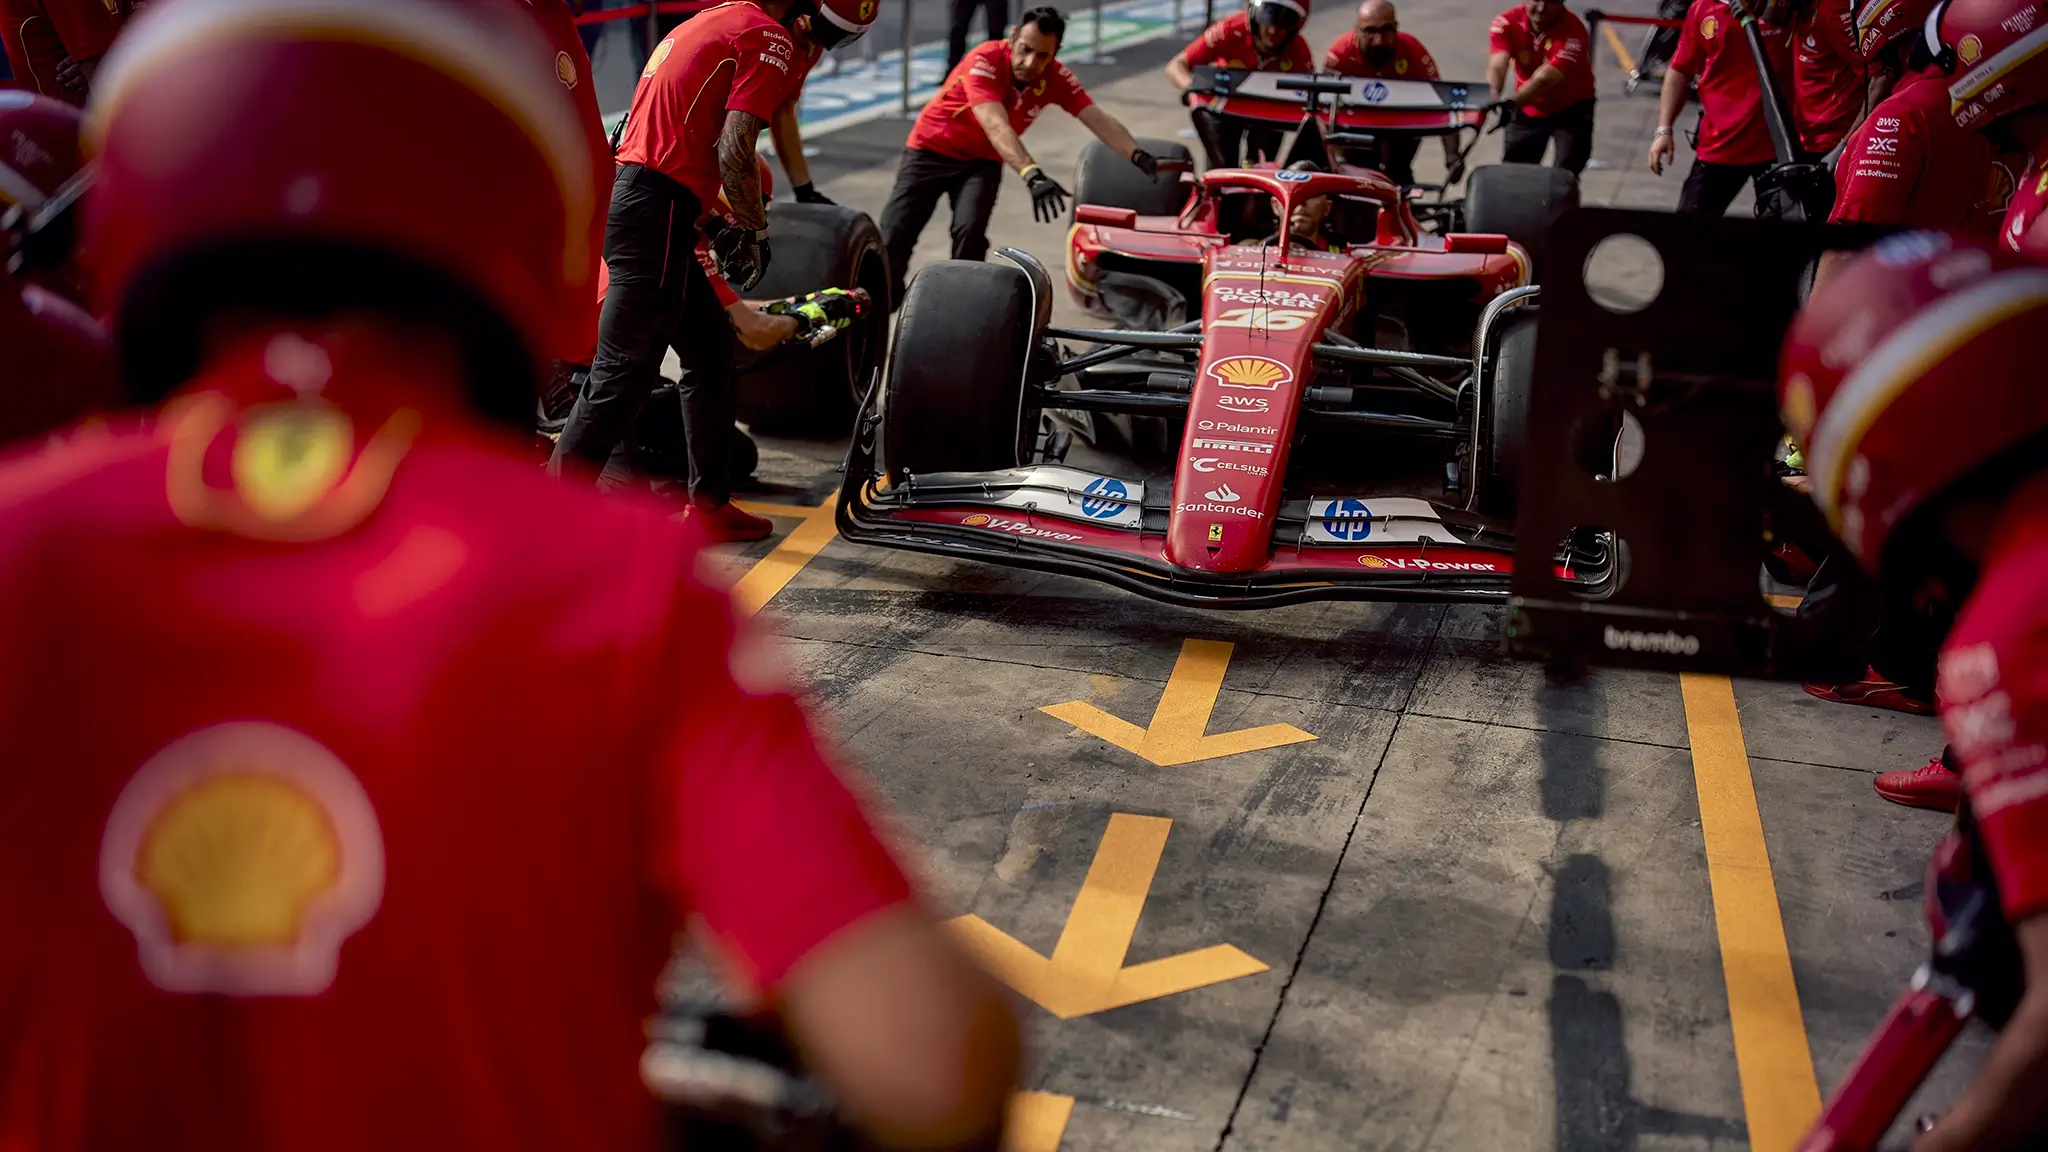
pixel 240 857
pixel 289 456
pixel 1708 27
pixel 565 70
pixel 659 54
pixel 1251 372
pixel 1970 48
pixel 1372 562
pixel 975 521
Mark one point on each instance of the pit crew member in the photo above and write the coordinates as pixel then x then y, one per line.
pixel 294 831
pixel 1830 79
pixel 1265 37
pixel 972 129
pixel 55 46
pixel 835 24
pixel 1553 97
pixel 1990 53
pixel 1734 146
pixel 1948 353
pixel 1376 48
pixel 706 94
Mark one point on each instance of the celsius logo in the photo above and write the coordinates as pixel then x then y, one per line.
pixel 1221 494
pixel 1668 643
pixel 1212 464
pixel 1104 498
pixel 1246 403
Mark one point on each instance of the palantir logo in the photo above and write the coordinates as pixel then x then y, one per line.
pixel 1109 497
pixel 1348 520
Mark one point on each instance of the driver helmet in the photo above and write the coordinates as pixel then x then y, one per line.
pixel 834 23
pixel 1914 368
pixel 1286 16
pixel 245 165
pixel 40 153
pixel 1876 24
pixel 1992 53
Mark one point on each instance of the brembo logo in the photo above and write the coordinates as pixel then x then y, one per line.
pixel 1668 643
pixel 1212 464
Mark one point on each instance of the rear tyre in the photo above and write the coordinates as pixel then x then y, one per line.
pixel 1521 201
pixel 812 391
pixel 1109 180
pixel 952 400
pixel 1512 379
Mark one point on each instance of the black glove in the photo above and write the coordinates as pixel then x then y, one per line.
pixel 1048 199
pixel 808 194
pixel 741 253
pixel 1145 162
pixel 1455 170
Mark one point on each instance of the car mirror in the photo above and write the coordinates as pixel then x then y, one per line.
pixel 1476 243
pixel 1106 217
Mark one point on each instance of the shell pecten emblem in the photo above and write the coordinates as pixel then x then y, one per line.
pixel 1251 372
pixel 289 456
pixel 241 857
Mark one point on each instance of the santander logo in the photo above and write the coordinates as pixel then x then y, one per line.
pixel 1222 494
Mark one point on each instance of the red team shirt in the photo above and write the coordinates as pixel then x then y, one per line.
pixel 2029 203
pixel 1411 60
pixel 38 35
pixel 1713 49
pixel 983 76
pixel 302 844
pixel 1567 45
pixel 732 58
pixel 1229 44
pixel 1908 164
pixel 1993 689
pixel 1828 80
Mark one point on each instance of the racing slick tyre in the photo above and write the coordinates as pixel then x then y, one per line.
pixel 953 398
pixel 1520 201
pixel 812 391
pixel 1513 377
pixel 1108 179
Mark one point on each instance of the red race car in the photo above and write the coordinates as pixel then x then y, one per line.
pixel 1297 432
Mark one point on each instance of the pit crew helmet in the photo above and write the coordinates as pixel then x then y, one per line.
pixel 41 147
pixel 1992 52
pixel 307 157
pixel 834 23
pixel 1913 369
pixel 1284 16
pixel 1874 25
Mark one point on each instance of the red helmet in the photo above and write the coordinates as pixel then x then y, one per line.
pixel 1912 367
pixel 38 147
pixel 836 23
pixel 59 363
pixel 1873 24
pixel 306 157
pixel 1285 16
pixel 1992 52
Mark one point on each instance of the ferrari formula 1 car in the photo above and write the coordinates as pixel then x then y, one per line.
pixel 1285 405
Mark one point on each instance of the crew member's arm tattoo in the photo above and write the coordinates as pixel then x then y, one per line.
pixel 738 171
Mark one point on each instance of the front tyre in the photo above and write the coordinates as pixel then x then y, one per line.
pixel 953 397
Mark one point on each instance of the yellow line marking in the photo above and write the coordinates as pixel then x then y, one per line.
pixel 775 570
pixel 1628 62
pixel 1175 735
pixel 786 511
pixel 1086 972
pixel 1037 1121
pixel 1780 1098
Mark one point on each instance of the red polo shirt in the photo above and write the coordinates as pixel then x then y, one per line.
pixel 1909 164
pixel 1411 60
pixel 1829 81
pixel 322 854
pixel 1712 49
pixel 1229 43
pixel 732 58
pixel 2029 205
pixel 947 127
pixel 1565 44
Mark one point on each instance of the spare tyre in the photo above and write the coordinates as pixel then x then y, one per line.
pixel 1111 181
pixel 953 397
pixel 795 391
pixel 1520 201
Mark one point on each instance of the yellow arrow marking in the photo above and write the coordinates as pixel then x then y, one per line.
pixel 1086 973
pixel 1037 1121
pixel 775 570
pixel 1176 733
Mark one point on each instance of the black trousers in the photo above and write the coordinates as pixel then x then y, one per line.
pixel 995 12
pixel 1230 141
pixel 921 179
pixel 1571 130
pixel 1710 188
pixel 659 299
pixel 1396 158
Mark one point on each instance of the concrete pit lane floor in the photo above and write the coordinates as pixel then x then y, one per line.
pixel 1341 876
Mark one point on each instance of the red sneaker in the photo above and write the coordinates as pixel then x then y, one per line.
pixel 1932 785
pixel 1873 691
pixel 726 524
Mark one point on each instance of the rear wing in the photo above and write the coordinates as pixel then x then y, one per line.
pixel 1696 368
pixel 1353 102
